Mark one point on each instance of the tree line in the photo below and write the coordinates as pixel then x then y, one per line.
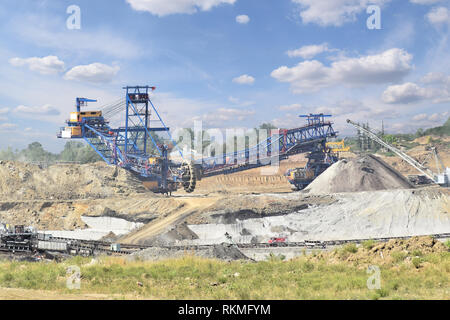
pixel 74 151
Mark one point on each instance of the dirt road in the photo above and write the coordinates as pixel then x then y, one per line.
pixel 189 206
pixel 29 294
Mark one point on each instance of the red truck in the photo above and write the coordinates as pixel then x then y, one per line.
pixel 276 241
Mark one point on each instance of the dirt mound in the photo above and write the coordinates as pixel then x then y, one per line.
pixel 227 252
pixel 222 251
pixel 23 181
pixel 110 237
pixel 395 251
pixel 365 173
pixel 181 232
pixel 177 233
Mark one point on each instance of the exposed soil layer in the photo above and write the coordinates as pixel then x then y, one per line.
pixel 264 179
pixel 66 215
pixel 21 181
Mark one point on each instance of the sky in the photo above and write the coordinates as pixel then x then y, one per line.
pixel 228 63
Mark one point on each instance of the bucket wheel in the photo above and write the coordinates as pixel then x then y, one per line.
pixel 189 177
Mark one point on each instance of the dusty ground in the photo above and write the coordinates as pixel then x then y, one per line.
pixel 374 214
pixel 56 198
pixel 28 294
pixel 20 181
pixel 66 214
pixel 222 209
pixel 31 196
pixel 254 180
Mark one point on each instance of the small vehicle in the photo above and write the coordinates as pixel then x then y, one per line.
pixel 277 241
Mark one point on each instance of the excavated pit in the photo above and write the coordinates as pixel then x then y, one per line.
pixel 360 215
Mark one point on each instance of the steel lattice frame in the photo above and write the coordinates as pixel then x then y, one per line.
pixel 287 142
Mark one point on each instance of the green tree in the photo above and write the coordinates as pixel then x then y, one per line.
pixel 75 151
pixel 267 126
pixel 36 152
pixel 71 151
pixel 420 132
pixel 443 130
pixel 87 155
pixel 390 139
pixel 9 154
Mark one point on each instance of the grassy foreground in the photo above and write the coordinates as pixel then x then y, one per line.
pixel 195 278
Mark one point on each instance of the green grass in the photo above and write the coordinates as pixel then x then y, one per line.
pixel 399 256
pixel 369 244
pixel 195 278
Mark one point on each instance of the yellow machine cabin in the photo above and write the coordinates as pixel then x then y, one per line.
pixel 79 116
pixel 336 146
pixel 71 132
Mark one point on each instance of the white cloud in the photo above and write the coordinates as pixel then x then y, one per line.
pixel 347 107
pixel 341 110
pixel 405 93
pixel 420 117
pixel 333 12
pixel 244 79
pixel 4 110
pixel 425 1
pixel 243 19
pixel 434 117
pixel 167 7
pixel 308 52
pixel 221 115
pixel 437 90
pixel 431 119
pixel 436 78
pixel 44 110
pixel 173 109
pixel 240 102
pixel 8 126
pixel 438 16
pixel 290 107
pixel 95 73
pixel 45 65
pixel 388 66
pixel 46 31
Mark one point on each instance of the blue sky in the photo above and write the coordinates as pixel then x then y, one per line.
pixel 285 58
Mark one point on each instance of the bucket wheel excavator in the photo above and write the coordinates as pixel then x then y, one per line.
pixel 134 146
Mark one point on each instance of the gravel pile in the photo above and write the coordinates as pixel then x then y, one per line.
pixel 222 251
pixel 360 174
